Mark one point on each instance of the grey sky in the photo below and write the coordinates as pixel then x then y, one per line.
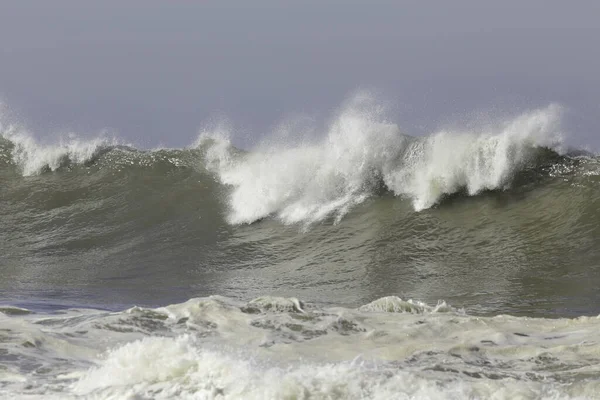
pixel 156 71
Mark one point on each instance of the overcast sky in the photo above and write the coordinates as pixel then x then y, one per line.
pixel 156 71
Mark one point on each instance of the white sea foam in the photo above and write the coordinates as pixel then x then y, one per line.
pixel 311 181
pixel 219 348
pixel 362 152
pixel 397 305
pixel 32 157
pixel 449 161
pixel 165 368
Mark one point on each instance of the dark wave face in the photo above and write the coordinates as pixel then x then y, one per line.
pixel 496 221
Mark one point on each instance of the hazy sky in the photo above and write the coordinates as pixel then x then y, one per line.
pixel 156 71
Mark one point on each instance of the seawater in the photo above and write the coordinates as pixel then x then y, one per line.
pixel 361 262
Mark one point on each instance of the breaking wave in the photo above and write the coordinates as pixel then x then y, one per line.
pixel 361 155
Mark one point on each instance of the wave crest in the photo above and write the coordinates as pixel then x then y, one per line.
pixel 32 157
pixel 450 161
pixel 362 153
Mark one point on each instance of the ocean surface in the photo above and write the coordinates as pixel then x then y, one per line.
pixel 356 263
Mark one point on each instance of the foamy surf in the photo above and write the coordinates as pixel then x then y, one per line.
pixel 279 348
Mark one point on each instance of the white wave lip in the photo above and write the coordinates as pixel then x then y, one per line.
pixel 362 151
pixel 447 161
pixel 312 181
pixel 359 155
pixel 33 157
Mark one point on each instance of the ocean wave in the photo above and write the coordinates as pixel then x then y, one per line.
pixel 32 157
pixel 360 156
pixel 362 153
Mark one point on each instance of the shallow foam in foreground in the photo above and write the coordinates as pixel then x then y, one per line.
pixel 277 348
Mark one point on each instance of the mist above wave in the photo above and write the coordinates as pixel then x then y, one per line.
pixel 362 154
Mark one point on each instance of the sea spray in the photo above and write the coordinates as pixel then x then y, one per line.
pixel 362 152
pixel 360 155
pixel 32 157
pixel 449 161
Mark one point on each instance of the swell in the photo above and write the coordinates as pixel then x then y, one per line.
pixel 151 227
pixel 361 157
pixel 117 194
